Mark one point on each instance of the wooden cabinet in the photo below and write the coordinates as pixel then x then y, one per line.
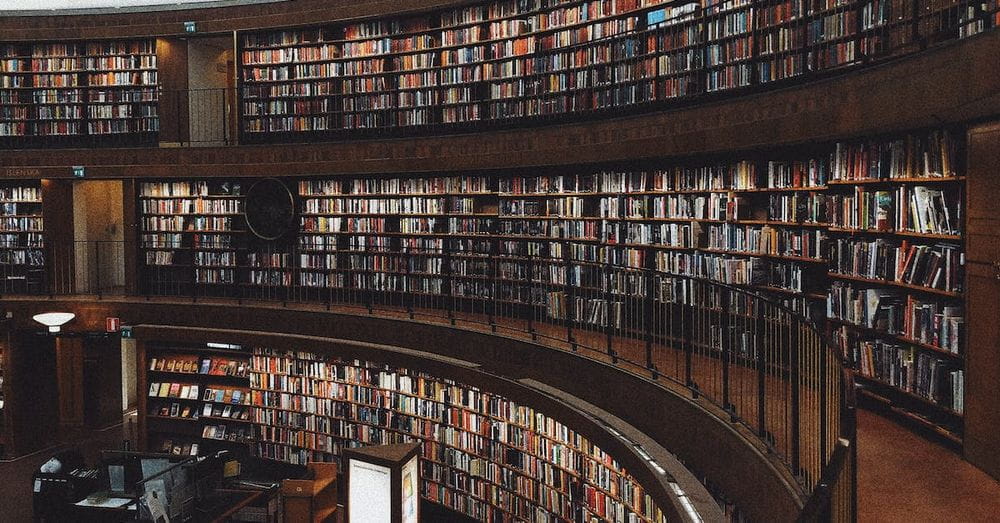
pixel 313 498
pixel 982 388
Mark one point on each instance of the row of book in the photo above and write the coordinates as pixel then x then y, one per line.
pixel 937 266
pixel 194 365
pixel 891 312
pixel 919 209
pixel 189 206
pixel 73 85
pixel 202 189
pixel 899 365
pixel 341 404
pixel 23 239
pixel 21 194
pixel 209 410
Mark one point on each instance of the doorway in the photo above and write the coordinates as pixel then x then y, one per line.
pixel 211 82
pixel 98 232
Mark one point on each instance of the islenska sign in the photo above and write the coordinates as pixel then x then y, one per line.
pixel 45 5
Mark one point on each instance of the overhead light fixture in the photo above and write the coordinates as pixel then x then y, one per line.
pixel 54 320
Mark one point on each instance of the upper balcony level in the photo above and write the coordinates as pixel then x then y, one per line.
pixel 495 67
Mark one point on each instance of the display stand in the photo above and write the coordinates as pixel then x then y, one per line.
pixel 382 484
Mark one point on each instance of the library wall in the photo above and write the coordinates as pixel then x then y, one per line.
pixel 855 104
pixel 482 454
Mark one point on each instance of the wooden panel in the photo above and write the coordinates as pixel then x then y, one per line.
pixel 69 373
pixel 982 377
pixel 102 381
pixel 34 411
pixel 60 256
pixel 130 224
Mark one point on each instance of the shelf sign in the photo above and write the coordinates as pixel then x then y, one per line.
pixel 113 324
pixel 190 27
pixel 79 171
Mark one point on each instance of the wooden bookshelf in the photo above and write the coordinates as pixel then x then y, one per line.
pixel 52 92
pixel 477 448
pixel 504 61
pixel 870 227
pixel 194 399
pixel 191 235
pixel 22 238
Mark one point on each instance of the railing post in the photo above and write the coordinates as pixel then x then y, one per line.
pixel 407 280
pixel 449 280
pixel 793 377
pixel 570 297
pixel 492 304
pixel 608 328
pixel 649 317
pixel 687 331
pixel 726 339
pixel 821 356
pixel 531 295
pixel 763 310
pixel 97 249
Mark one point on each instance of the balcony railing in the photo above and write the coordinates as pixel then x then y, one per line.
pixel 759 364
pixel 646 70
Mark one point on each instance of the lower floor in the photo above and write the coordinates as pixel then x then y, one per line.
pixel 901 476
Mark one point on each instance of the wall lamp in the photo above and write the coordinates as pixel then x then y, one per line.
pixel 54 320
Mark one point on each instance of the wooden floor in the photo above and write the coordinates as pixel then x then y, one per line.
pixel 903 477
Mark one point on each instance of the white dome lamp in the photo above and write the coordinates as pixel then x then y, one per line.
pixel 54 320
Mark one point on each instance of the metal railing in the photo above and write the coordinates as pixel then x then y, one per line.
pixel 758 363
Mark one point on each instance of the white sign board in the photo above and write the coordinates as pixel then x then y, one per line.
pixel 369 494
pixel 411 495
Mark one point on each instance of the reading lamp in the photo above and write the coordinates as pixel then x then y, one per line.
pixel 54 320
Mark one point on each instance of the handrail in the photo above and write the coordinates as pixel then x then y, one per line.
pixel 762 365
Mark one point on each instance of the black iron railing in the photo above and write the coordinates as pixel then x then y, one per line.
pixel 759 364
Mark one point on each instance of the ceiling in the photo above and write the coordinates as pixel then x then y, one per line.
pixel 46 5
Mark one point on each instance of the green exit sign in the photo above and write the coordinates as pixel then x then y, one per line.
pixel 190 27
pixel 79 171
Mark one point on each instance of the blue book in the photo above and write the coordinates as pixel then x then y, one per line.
pixel 656 17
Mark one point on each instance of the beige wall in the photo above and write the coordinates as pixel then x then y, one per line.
pixel 208 74
pixel 98 220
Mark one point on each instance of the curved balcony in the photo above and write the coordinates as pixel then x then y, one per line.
pixel 644 72
pixel 735 385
